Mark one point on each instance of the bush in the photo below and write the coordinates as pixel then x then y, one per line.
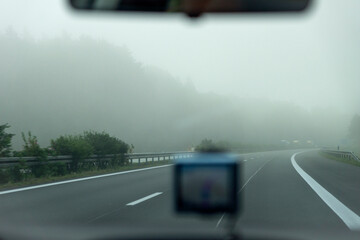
pixel 5 176
pixel 90 142
pixel 119 161
pixel 207 145
pixel 31 146
pixel 33 149
pixel 76 146
pixel 102 143
pixel 41 170
pixel 16 175
pixel 5 141
pixel 58 169
pixel 20 171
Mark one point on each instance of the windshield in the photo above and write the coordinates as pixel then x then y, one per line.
pixel 95 108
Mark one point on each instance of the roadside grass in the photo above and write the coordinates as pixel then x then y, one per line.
pixel 339 159
pixel 43 180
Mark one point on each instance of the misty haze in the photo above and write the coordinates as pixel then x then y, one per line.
pixel 121 125
pixel 65 86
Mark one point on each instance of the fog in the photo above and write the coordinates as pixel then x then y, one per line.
pixel 65 86
pixel 164 86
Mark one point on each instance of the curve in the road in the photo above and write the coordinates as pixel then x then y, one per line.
pixel 351 219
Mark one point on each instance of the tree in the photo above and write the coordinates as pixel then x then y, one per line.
pixel 207 145
pixel 76 146
pixel 5 141
pixel 31 146
pixel 33 149
pixel 102 143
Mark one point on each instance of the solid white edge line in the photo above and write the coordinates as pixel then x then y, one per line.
pixel 351 219
pixel 80 179
pixel 144 199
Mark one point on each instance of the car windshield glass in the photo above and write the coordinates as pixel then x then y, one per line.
pixel 96 107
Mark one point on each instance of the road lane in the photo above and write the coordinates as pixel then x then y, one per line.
pixel 340 179
pixel 351 219
pixel 79 202
pixel 278 196
pixel 274 195
pixel 162 210
pixel 78 180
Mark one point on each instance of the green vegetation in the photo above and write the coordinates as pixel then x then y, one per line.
pixel 5 141
pixel 207 145
pixel 75 146
pixel 30 181
pixel 32 149
pixel 102 143
pixel 210 145
pixel 138 102
pixel 78 146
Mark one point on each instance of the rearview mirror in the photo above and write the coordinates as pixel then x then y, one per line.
pixel 192 8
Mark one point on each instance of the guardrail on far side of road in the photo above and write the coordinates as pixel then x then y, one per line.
pixel 341 154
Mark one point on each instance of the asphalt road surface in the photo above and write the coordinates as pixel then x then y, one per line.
pixel 278 188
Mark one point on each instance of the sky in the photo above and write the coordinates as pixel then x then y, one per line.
pixel 308 59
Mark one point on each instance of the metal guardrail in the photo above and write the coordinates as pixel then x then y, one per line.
pixel 130 157
pixel 342 154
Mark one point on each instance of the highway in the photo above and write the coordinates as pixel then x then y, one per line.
pixel 274 192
